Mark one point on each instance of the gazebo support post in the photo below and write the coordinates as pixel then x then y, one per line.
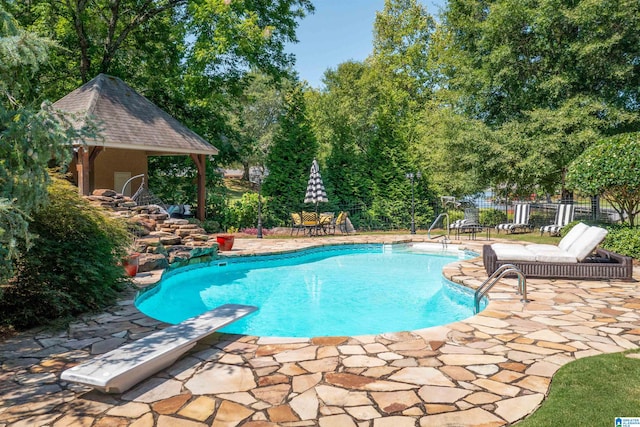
pixel 83 168
pixel 199 160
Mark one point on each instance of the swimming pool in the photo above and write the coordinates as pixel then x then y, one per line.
pixel 341 290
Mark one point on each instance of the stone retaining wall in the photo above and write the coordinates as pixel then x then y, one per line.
pixel 162 241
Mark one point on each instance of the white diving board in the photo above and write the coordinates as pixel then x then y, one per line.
pixel 125 366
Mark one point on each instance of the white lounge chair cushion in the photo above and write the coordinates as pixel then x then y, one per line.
pixel 512 252
pixel 573 235
pixel 551 253
pixel 587 242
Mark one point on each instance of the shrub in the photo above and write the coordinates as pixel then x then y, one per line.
pixel 624 240
pixel 455 215
pixel 243 213
pixel 73 265
pixel 538 219
pixel 610 168
pixel 492 217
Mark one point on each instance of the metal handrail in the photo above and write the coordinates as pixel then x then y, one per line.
pixel 502 271
pixel 446 215
pixel 124 187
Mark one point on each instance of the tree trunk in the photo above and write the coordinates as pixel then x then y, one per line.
pixel 566 196
pixel 85 61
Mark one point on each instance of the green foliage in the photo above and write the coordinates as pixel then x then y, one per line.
pixel 610 169
pixel 341 119
pixel 455 215
pixel 30 136
pixel 211 226
pixel 243 213
pixel 256 118
pixel 289 160
pixel 73 265
pixel 174 180
pixel 531 73
pixel 492 217
pixel 624 240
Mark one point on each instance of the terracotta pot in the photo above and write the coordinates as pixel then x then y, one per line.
pixel 131 264
pixel 225 242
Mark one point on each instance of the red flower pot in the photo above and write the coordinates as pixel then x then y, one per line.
pixel 131 264
pixel 225 242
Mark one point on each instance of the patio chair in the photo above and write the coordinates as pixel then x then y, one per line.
pixel 520 219
pixel 577 256
pixel 341 222
pixel 296 223
pixel 564 215
pixel 327 223
pixel 310 222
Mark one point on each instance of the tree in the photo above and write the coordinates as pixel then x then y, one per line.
pixel 75 265
pixel 30 136
pixel 217 36
pixel 609 168
pixel 340 116
pixel 256 120
pixel 549 76
pixel 288 162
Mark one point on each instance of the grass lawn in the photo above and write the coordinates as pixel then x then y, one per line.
pixel 237 187
pixel 591 392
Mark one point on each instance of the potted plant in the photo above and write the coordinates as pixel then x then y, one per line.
pixel 225 241
pixel 131 264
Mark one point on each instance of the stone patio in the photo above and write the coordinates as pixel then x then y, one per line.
pixel 492 369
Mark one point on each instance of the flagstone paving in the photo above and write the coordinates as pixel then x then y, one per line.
pixel 492 369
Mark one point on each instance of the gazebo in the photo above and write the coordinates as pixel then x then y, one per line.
pixel 132 128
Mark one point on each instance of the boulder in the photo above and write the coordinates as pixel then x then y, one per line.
pixel 104 192
pixel 149 262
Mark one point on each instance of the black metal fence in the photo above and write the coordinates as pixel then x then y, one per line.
pixel 491 212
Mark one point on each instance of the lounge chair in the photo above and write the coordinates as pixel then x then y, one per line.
pixel 564 215
pixel 573 258
pixel 520 219
pixel 470 223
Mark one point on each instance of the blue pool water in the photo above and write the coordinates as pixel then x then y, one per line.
pixel 331 291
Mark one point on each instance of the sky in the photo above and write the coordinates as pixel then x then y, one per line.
pixel 338 31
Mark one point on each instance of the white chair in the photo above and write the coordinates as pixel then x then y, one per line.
pixel 520 219
pixel 564 215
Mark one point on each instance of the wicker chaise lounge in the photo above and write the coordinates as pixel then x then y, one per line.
pixel 573 258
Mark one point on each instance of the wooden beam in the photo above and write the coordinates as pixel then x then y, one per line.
pixel 92 158
pixel 199 160
pixel 83 167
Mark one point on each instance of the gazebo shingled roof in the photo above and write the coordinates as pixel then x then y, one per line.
pixel 129 120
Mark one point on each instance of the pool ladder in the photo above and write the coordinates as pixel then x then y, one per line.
pixel 446 236
pixel 497 275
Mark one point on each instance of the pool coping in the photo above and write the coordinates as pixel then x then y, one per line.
pixel 491 369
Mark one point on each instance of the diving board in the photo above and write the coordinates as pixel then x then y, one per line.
pixel 124 367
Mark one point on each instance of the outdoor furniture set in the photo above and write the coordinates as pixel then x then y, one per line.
pixel 312 223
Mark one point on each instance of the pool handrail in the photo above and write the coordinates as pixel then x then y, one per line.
pixel 446 215
pixel 497 275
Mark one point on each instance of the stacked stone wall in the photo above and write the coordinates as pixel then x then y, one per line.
pixel 161 241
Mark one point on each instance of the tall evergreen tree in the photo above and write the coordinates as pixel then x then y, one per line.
pixel 30 135
pixel 289 160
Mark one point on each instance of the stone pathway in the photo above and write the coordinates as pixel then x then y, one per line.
pixel 490 370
